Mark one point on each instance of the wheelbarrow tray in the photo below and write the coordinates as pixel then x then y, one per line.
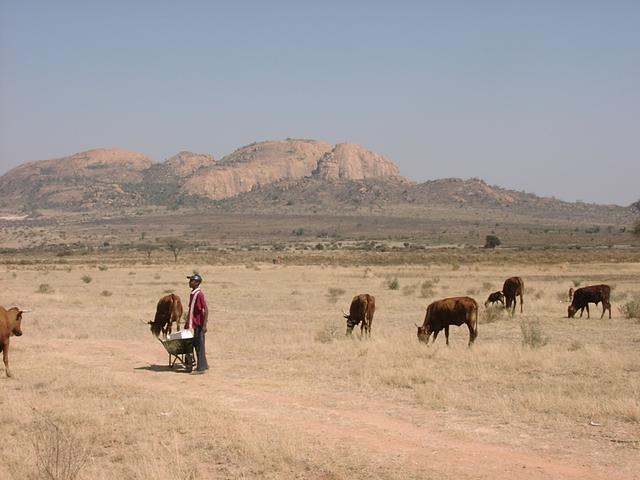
pixel 179 350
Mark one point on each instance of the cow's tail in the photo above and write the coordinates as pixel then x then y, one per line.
pixel 475 322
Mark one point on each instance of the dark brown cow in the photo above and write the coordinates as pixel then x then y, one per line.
pixel 495 297
pixel 449 311
pixel 168 311
pixel 10 321
pixel 512 288
pixel 361 311
pixel 582 297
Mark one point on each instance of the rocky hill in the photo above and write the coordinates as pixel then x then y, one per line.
pixel 288 176
pixel 119 178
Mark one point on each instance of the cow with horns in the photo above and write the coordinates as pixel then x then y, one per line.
pixel 361 312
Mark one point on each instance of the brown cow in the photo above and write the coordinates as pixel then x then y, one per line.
pixel 449 311
pixel 495 297
pixel 512 288
pixel 168 311
pixel 10 321
pixel 362 308
pixel 582 297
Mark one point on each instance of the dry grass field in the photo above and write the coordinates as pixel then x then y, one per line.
pixel 288 396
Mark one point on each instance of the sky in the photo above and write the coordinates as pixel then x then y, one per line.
pixel 538 96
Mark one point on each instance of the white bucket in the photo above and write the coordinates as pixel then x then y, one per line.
pixel 181 334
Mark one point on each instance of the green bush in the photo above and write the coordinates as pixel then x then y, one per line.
pixel 393 283
pixel 491 241
pixel 86 279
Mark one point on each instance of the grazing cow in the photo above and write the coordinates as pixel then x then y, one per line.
pixel 582 297
pixel 512 288
pixel 168 311
pixel 449 311
pixel 10 321
pixel 362 308
pixel 495 297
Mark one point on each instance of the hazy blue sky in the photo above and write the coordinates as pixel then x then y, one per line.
pixel 537 96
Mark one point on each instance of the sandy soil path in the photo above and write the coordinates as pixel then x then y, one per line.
pixel 400 436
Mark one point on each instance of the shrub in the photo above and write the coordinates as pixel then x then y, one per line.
pixel 106 293
pixel 333 294
pixel 59 453
pixel 102 268
pixel 393 283
pixel 576 283
pixel 86 279
pixel 327 333
pixel 493 313
pixel 44 288
pixel 427 288
pixel 631 309
pixel 491 241
pixel 532 335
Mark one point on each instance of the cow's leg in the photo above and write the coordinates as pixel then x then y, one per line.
pixel 5 357
pixel 446 334
pixel 588 314
pixel 435 335
pixel 609 308
pixel 521 303
pixel 472 333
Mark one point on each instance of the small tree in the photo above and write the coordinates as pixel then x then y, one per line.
pixel 491 241
pixel 148 248
pixel 176 246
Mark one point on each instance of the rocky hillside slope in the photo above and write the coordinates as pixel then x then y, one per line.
pixel 288 176
pixel 119 178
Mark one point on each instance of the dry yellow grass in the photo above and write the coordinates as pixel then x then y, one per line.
pixel 289 397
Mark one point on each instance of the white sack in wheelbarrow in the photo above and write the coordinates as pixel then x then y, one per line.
pixel 181 334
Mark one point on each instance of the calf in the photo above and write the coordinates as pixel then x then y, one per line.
pixel 168 311
pixel 362 308
pixel 10 323
pixel 495 297
pixel 582 297
pixel 512 288
pixel 449 311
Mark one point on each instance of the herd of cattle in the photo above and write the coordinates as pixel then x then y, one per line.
pixel 440 315
pixel 444 313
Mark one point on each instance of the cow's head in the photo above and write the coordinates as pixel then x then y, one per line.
pixel 495 297
pixel 15 314
pixel 571 311
pixel 350 323
pixel 423 333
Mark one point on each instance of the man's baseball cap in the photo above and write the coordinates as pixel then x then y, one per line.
pixel 195 277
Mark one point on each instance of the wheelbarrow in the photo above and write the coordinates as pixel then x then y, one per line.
pixel 179 350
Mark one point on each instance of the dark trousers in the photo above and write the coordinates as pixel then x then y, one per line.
pixel 198 343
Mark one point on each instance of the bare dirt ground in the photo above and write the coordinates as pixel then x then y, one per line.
pixel 288 397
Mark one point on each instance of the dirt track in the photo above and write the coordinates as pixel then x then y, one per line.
pixel 416 442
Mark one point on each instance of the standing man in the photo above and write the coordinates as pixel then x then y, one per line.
pixel 197 320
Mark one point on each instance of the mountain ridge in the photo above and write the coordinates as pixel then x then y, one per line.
pixel 301 175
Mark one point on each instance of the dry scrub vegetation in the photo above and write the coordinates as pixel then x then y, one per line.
pixel 289 397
